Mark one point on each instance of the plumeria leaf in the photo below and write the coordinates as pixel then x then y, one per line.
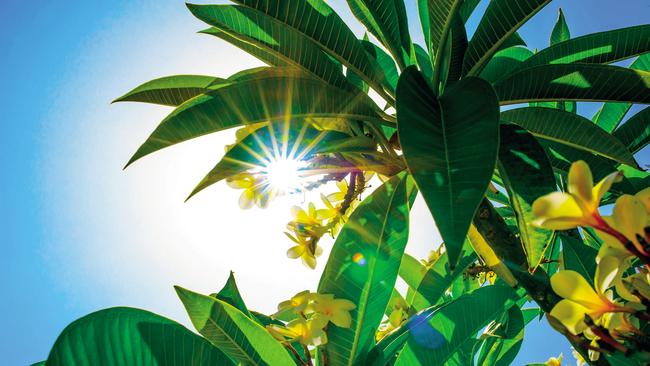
pixel 579 82
pixel 504 62
pixel 635 133
pixel 171 90
pixel 230 294
pixel 570 129
pixel 266 55
pixel 610 115
pixel 579 257
pixel 263 31
pixel 363 267
pixel 441 139
pixel 127 336
pixel 275 96
pixel 434 336
pixel 316 20
pixel 386 20
pixel 501 19
pixel 560 31
pixel 527 175
pixel 241 338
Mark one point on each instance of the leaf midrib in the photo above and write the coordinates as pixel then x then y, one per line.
pixel 366 292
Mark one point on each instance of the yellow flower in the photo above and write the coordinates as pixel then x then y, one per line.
pixel 306 249
pixel 297 304
pixel 581 299
pixel 255 191
pixel 554 361
pixel 329 309
pixel 311 217
pixel 304 331
pixel 627 223
pixel 578 206
pixel 339 196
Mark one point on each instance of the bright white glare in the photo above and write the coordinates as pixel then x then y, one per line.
pixel 283 175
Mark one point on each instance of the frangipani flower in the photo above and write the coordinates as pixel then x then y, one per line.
pixel 306 249
pixel 297 304
pixel 629 219
pixel 578 206
pixel 554 361
pixel 304 331
pixel 338 197
pixel 311 217
pixel 329 309
pixel 255 191
pixel 581 299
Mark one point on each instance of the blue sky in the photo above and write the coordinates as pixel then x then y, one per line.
pixel 80 234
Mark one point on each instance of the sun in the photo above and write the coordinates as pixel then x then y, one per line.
pixel 284 174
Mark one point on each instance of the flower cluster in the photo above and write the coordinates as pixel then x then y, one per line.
pixel 308 316
pixel 608 312
pixel 310 225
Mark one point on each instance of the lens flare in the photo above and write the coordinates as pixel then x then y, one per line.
pixel 359 259
pixel 283 175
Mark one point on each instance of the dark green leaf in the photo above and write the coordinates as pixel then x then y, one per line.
pixel 127 336
pixel 569 129
pixel 560 31
pixel 610 115
pixel 434 336
pixel 377 230
pixel 266 55
pixel 269 98
pixel 452 57
pixel 170 90
pixel 504 62
pixel 267 34
pixel 501 19
pixel 467 8
pixel 441 17
pixel 424 61
pixel 579 257
pixel 230 294
pixel 562 156
pixel 318 21
pixel 579 82
pixel 635 133
pixel 527 175
pixel 597 48
pixel 386 20
pixel 385 62
pixel 232 331
pixel 441 140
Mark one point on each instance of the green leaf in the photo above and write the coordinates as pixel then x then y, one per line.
pixel 230 294
pixel 262 31
pixel 378 231
pixel 384 61
pixel 610 115
pixel 527 175
pixel 319 22
pixel 434 336
pixel 569 129
pixel 170 90
pixel 596 48
pixel 560 31
pixel 501 19
pixel 579 82
pixel 232 331
pixel 127 336
pixel 268 98
pixel 441 17
pixel 439 277
pixel 266 55
pixel 424 61
pixel 635 133
pixel 291 140
pixel 467 8
pixel 501 351
pixel 579 257
pixel 452 57
pixel 423 15
pixel 503 62
pixel 441 140
pixel 386 20
pixel 562 156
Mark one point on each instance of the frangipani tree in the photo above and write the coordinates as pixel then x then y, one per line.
pixel 423 119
